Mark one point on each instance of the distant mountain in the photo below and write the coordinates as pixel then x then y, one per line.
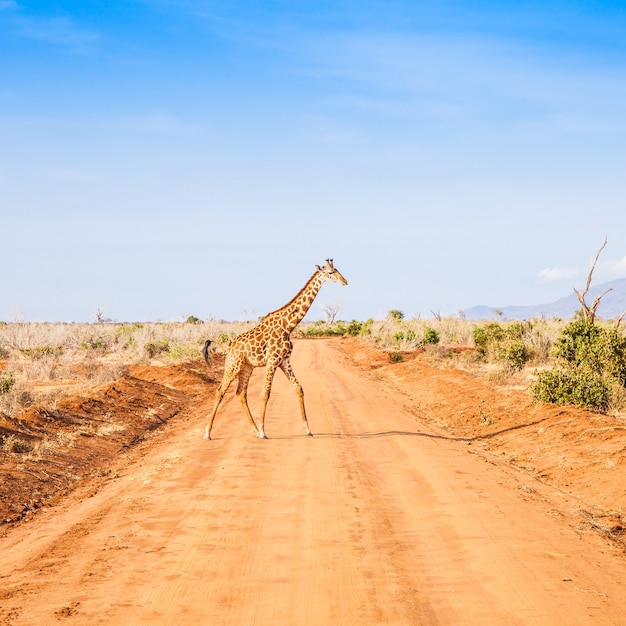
pixel 612 305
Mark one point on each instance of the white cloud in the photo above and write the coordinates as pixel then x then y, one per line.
pixel 610 270
pixel 552 274
pixel 618 268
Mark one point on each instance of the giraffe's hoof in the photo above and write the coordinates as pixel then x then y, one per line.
pixel 207 437
pixel 261 436
pixel 309 433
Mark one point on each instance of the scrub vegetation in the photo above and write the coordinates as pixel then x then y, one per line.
pixel 564 362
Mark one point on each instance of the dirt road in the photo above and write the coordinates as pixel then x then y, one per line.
pixel 378 519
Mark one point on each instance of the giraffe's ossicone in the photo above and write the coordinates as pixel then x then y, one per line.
pixel 269 344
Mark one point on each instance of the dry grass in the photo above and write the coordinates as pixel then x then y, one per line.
pixel 457 332
pixel 46 361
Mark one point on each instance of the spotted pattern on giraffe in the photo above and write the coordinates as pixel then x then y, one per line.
pixel 269 344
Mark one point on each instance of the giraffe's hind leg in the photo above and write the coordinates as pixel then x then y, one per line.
pixel 242 392
pixel 286 367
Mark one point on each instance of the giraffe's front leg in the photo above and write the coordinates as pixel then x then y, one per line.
pixel 269 377
pixel 286 367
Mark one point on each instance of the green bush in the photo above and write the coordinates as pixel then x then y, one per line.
pixel 503 343
pixel 513 354
pixel 366 327
pixel 354 328
pixel 95 342
pixel 7 381
pixel 431 336
pixel 39 352
pixel 396 315
pixel 485 336
pixel 590 367
pixel 396 357
pixel 581 387
pixel 155 348
pixel 337 329
pixel 602 349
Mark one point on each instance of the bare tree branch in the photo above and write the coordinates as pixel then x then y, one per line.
pixel 590 311
pixel 331 308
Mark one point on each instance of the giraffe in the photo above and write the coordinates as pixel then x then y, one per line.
pixel 269 344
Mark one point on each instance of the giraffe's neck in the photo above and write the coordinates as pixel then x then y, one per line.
pixel 292 313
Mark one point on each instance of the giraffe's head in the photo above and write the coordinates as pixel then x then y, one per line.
pixel 329 272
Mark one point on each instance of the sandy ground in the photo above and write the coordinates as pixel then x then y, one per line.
pixel 410 505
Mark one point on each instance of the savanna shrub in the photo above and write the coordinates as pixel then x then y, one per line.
pixel 513 354
pixel 431 336
pixel 590 367
pixel 336 329
pixel 155 348
pixel 354 328
pixel 602 349
pixel 503 343
pixel 95 342
pixel 366 327
pixel 7 381
pixel 579 386
pixel 40 352
pixel 485 336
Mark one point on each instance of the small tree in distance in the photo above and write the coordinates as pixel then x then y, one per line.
pixel 589 312
pixel 331 308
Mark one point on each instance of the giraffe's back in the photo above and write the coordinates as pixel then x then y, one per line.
pixel 256 344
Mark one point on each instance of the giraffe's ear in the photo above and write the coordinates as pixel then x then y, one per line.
pixel 319 269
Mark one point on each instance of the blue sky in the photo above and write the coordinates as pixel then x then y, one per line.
pixel 160 159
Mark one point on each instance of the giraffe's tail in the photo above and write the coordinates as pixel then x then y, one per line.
pixel 205 351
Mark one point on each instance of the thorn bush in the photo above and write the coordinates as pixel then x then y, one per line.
pixel 590 367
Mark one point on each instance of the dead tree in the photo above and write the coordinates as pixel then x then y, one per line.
pixel 331 309
pixel 589 312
